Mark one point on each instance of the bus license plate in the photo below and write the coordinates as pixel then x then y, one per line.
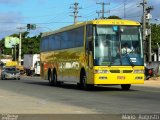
pixel 121 77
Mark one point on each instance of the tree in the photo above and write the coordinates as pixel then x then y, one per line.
pixel 113 17
pixel 29 44
pixel 155 35
pixel 6 51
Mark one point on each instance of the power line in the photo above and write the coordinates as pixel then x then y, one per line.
pixel 117 7
pixel 125 3
pixel 37 22
pixel 60 14
pixel 7 30
pixel 88 14
pixel 88 7
pixel 134 16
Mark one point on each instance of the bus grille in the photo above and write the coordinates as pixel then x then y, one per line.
pixel 127 71
pixel 115 71
pixel 123 71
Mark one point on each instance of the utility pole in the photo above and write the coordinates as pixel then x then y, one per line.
pixel 20 45
pixel 75 11
pixel 146 19
pixel 144 3
pixel 103 9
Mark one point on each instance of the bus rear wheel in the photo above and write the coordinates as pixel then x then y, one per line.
pixel 125 86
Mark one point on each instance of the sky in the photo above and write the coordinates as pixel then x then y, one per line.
pixel 49 15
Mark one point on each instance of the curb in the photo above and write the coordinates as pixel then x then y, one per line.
pixel 152 82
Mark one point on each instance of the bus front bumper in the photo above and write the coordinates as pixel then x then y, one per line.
pixel 103 79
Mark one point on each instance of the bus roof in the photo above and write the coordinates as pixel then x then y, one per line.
pixel 97 22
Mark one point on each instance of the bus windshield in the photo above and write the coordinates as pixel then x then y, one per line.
pixel 120 46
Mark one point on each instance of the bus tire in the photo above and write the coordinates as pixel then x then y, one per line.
pixel 83 80
pixel 125 86
pixel 84 84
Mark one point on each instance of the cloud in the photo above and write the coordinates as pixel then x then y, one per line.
pixel 10 1
pixel 156 11
pixel 9 22
pixel 133 11
pixel 10 16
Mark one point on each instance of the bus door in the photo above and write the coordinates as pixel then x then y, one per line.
pixel 89 46
pixel 89 52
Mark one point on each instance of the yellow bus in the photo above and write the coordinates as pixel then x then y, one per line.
pixel 93 53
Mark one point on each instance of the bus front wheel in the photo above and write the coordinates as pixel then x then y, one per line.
pixel 125 86
pixel 83 82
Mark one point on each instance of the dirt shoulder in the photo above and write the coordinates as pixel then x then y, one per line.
pixel 152 82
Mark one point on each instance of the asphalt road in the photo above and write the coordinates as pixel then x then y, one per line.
pixel 32 95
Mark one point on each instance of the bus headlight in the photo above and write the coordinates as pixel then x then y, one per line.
pixel 139 71
pixel 101 71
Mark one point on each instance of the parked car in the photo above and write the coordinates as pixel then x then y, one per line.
pixel 10 73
